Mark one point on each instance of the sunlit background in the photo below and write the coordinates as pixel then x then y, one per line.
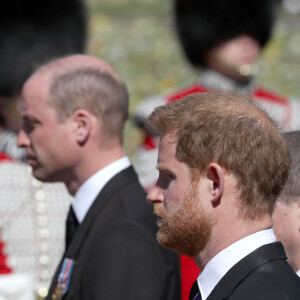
pixel 137 38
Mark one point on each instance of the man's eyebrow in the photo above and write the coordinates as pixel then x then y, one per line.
pixel 163 169
pixel 31 119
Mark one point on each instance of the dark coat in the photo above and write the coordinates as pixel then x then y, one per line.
pixel 115 249
pixel 264 274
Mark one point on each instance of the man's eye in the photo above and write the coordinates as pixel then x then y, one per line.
pixel 28 126
pixel 164 180
pixel 166 177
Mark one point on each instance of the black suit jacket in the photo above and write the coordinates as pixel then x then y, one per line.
pixel 115 249
pixel 264 274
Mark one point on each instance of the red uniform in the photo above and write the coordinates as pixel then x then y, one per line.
pixel 3 156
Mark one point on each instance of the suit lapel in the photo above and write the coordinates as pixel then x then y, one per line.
pixel 243 268
pixel 112 187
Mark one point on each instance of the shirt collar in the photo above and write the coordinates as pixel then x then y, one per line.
pixel 218 266
pixel 89 190
pixel 298 273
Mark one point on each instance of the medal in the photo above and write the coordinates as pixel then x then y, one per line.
pixel 63 280
pixel 58 292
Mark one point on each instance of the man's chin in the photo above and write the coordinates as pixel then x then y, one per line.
pixel 177 245
pixel 32 163
pixel 38 174
pixel 164 241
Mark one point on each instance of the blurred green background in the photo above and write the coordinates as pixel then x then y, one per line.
pixel 137 38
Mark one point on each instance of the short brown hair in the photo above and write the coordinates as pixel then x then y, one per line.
pixel 231 130
pixel 95 90
pixel 291 190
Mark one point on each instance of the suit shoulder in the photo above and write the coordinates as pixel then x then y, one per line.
pixel 273 280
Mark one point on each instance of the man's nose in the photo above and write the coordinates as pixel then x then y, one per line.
pixel 155 195
pixel 23 140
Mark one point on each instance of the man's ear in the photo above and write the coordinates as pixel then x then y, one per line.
pixel 83 125
pixel 216 174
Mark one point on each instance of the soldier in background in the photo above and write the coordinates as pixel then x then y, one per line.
pixel 32 214
pixel 223 39
pixel 33 32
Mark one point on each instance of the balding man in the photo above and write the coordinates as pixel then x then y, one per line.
pixel 222 164
pixel 74 110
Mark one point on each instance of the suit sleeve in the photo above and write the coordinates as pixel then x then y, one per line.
pixel 127 263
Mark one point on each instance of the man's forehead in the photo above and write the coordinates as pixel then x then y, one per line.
pixel 34 92
pixel 167 147
pixel 75 62
pixel 167 153
pixel 38 79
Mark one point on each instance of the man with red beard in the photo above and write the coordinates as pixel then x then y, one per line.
pixel 222 163
pixel 223 41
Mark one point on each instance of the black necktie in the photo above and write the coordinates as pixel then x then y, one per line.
pixel 195 293
pixel 71 226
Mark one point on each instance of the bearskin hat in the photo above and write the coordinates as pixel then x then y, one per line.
pixel 201 24
pixel 33 32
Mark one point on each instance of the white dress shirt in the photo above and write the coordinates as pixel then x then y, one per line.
pixel 218 266
pixel 89 190
pixel 298 273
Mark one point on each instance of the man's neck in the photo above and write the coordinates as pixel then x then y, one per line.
pixel 294 261
pixel 225 236
pixel 90 164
